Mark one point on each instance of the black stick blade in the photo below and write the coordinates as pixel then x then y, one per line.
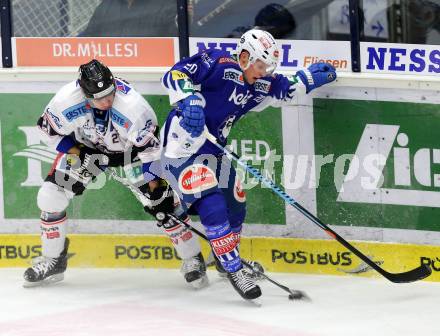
pixel 419 273
pixel 298 295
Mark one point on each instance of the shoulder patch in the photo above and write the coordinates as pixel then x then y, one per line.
pixel 121 86
pixel 176 75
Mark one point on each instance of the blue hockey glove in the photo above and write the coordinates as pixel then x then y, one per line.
pixel 317 75
pixel 193 117
pixel 284 87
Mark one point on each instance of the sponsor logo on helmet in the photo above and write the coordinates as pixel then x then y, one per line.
pixel 262 85
pixel 100 84
pixel 196 178
pixel 265 42
pixel 234 75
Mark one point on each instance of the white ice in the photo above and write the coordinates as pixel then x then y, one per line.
pixel 139 302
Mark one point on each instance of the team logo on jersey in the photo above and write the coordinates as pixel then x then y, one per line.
pixel 196 178
pixel 176 75
pixel 225 127
pixel 120 119
pixel 75 111
pixel 122 87
pixel 240 99
pixel 234 75
pixel 239 193
pixel 262 85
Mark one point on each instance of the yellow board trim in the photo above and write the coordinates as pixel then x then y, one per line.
pixel 286 255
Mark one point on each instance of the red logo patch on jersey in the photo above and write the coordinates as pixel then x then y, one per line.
pixel 196 178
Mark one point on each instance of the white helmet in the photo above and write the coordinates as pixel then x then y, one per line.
pixel 261 46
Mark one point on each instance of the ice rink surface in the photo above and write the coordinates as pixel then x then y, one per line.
pixel 137 302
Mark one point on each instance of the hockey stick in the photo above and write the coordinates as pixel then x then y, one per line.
pixel 418 273
pixel 294 294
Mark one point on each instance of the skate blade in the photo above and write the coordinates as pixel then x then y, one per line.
pixel 200 283
pixel 254 302
pixel 222 275
pixel 48 281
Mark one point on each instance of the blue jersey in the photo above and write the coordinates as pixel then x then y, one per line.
pixel 218 79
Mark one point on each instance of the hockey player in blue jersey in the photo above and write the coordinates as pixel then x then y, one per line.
pixel 212 90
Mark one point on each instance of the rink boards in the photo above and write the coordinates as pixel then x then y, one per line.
pixel 288 255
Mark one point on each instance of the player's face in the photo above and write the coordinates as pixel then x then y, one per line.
pixel 256 71
pixel 104 103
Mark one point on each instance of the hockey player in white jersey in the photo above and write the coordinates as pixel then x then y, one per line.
pixel 96 122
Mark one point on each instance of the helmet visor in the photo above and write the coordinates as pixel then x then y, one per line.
pixel 264 68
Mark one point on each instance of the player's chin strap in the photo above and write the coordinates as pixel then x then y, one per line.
pixel 415 274
pixel 293 293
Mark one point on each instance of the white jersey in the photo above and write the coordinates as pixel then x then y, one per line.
pixel 131 121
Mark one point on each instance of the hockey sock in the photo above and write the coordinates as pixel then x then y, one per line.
pixel 184 241
pixel 213 215
pixel 53 233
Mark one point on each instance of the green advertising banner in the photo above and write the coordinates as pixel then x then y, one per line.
pixel 26 161
pixel 382 165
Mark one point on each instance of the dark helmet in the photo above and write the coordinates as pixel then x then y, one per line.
pixel 95 79
pixel 275 19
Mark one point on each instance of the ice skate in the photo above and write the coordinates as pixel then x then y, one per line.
pixel 46 270
pixel 244 284
pixel 254 272
pixel 194 271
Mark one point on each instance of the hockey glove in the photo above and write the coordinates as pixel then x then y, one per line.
pixel 161 198
pixel 317 75
pixel 286 88
pixel 90 162
pixel 193 117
